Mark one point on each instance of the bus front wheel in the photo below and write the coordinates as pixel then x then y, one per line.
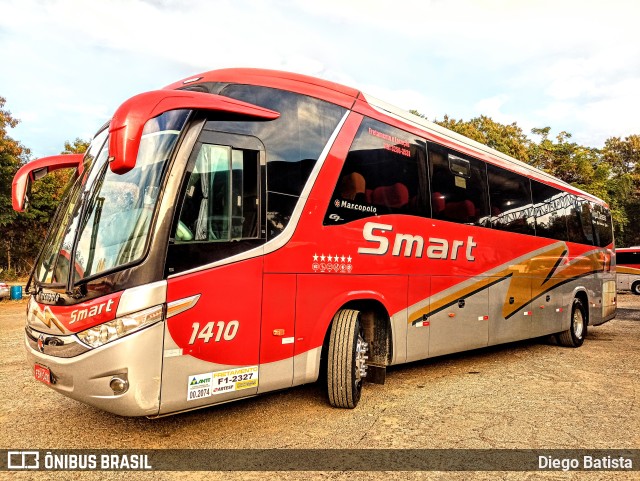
pixel 574 336
pixel 635 288
pixel 346 363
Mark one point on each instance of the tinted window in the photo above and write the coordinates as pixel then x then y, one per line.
pixel 579 222
pixel 293 142
pixel 510 197
pixel 384 173
pixel 552 207
pixel 627 258
pixel 458 187
pixel 602 225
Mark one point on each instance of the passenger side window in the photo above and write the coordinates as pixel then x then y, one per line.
pixel 458 187
pixel 511 205
pixel 221 198
pixel 384 173
pixel 579 222
pixel 628 258
pixel 552 207
pixel 602 225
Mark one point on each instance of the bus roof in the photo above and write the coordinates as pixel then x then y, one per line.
pixel 356 100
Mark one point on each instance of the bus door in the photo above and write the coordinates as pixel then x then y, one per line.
pixel 215 275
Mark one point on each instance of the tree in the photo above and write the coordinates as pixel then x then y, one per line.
pixel 624 158
pixel 566 160
pixel 61 177
pixel 623 155
pixel 78 146
pixel 12 155
pixel 508 139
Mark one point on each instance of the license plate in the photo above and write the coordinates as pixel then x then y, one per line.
pixel 42 374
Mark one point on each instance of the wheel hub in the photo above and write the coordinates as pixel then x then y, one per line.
pixel 578 324
pixel 362 348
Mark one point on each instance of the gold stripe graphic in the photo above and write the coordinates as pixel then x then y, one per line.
pixel 530 277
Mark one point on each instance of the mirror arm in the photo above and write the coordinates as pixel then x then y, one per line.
pixel 34 170
pixel 127 124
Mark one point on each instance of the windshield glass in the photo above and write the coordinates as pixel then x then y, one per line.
pixel 105 220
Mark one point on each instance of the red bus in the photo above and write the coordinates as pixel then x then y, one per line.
pixel 243 231
pixel 628 269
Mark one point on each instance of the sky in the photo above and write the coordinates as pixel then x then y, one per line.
pixel 66 65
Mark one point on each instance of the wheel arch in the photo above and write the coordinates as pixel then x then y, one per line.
pixel 376 324
pixel 377 328
pixel 584 298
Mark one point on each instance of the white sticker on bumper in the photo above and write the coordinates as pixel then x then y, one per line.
pixel 212 383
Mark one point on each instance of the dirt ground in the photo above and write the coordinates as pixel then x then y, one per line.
pixel 529 395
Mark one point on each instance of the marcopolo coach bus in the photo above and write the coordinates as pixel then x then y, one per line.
pixel 628 269
pixel 243 231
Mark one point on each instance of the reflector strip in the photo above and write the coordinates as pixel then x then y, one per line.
pixel 559 309
pixel 483 318
pixel 181 305
pixel 527 313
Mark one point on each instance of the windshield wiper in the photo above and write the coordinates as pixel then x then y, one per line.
pixel 86 209
pixel 94 235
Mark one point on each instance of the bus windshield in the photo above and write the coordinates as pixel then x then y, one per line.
pixel 104 222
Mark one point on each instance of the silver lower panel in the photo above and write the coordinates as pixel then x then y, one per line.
pixel 86 378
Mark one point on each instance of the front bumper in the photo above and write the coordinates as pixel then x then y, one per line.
pixel 86 377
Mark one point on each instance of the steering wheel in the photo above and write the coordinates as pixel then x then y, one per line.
pixel 183 233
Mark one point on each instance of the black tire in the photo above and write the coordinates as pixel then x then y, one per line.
pixel 635 288
pixel 574 336
pixel 344 378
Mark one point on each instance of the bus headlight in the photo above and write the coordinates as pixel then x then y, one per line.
pixel 96 336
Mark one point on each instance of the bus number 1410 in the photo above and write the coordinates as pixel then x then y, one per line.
pixel 220 329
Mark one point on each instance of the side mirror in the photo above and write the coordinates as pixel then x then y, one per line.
pixel 127 125
pixel 37 169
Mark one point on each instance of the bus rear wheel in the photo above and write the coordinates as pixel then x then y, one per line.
pixel 574 336
pixel 346 363
pixel 635 288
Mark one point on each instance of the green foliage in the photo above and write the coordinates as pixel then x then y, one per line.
pixel 508 139
pixel 79 146
pixel 12 156
pixel 624 158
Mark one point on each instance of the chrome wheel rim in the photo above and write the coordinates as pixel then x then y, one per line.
pixel 578 323
pixel 361 357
